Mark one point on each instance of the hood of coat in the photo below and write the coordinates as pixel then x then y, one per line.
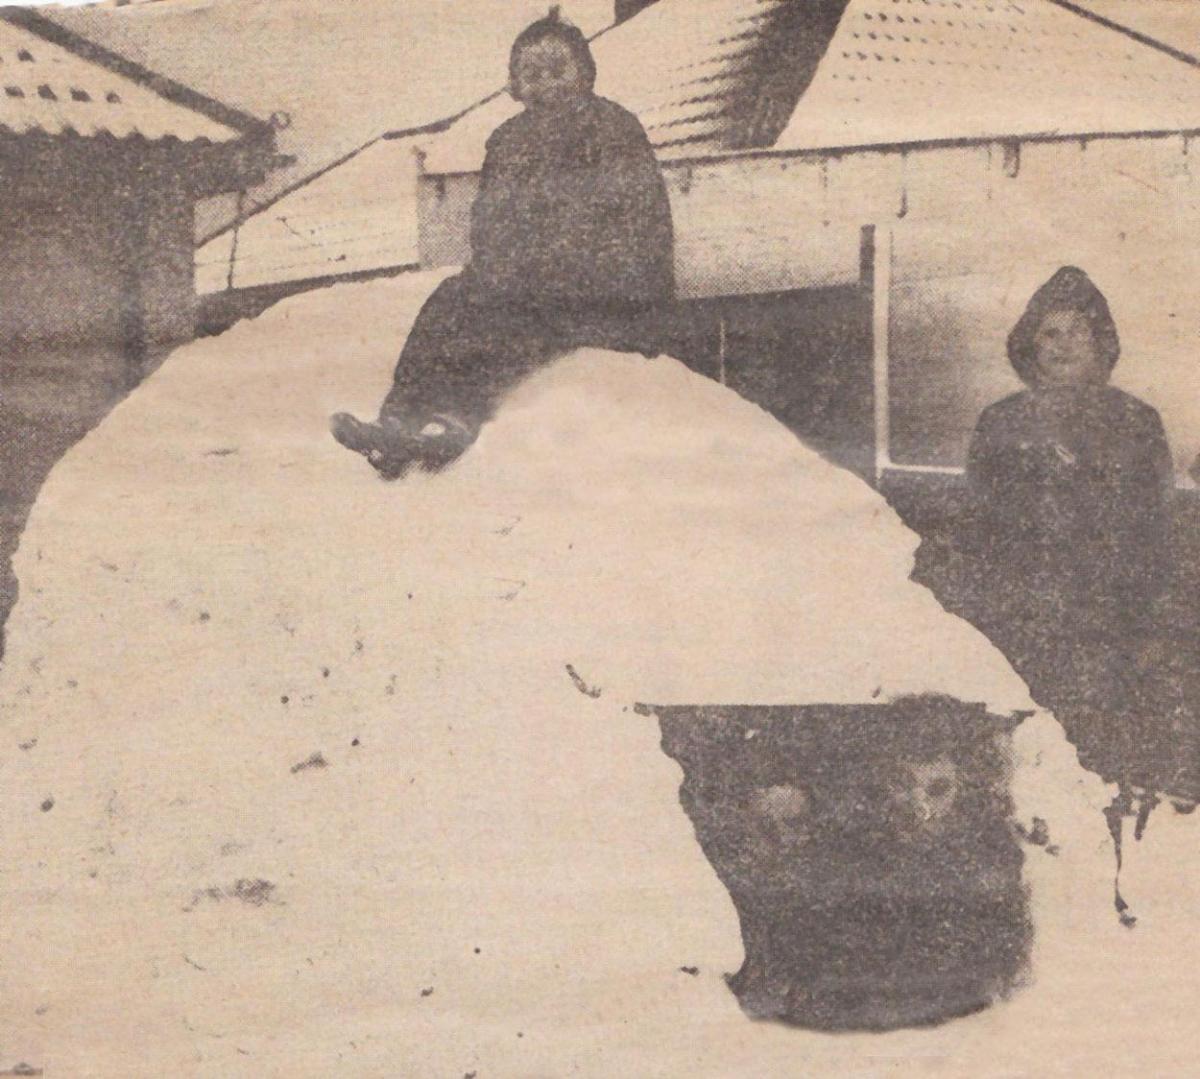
pixel 1069 289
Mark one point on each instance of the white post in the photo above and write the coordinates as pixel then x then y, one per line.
pixel 233 244
pixel 881 306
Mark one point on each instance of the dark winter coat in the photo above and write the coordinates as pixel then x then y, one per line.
pixel 1070 500
pixel 571 246
pixel 572 211
pixel 1067 544
pixel 1070 486
pixel 1070 562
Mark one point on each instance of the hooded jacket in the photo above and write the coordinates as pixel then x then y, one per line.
pixel 1070 491
pixel 1069 289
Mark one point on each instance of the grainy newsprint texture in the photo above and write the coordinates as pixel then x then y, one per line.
pixel 646 539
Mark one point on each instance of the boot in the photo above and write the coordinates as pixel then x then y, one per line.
pixel 394 446
pixel 387 445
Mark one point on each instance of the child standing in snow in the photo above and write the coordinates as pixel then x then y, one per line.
pixel 571 245
pixel 1069 481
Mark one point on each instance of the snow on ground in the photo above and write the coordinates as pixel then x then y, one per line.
pixel 294 780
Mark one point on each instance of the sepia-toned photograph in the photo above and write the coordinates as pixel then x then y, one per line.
pixel 622 538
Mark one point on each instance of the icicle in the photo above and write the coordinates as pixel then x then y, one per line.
pixel 1115 815
pixel 1120 808
pixel 1149 801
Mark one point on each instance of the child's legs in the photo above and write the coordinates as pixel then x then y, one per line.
pixel 433 343
pixel 465 350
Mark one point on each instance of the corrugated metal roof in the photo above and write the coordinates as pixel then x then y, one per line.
pixel 46 87
pixel 679 65
pixel 356 218
pixel 903 71
pixel 1176 23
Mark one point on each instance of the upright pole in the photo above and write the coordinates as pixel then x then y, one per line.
pixel 881 296
pixel 233 245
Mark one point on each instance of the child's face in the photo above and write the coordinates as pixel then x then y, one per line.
pixel 546 74
pixel 1065 352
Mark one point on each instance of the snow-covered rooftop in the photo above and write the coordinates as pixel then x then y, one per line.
pixel 1174 23
pixel 895 72
pixel 907 71
pixel 56 83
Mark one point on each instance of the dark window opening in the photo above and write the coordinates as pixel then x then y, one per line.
pixel 804 356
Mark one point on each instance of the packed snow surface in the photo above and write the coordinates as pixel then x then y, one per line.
pixel 295 782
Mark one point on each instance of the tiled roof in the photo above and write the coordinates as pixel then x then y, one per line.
pixel 49 86
pixel 1174 23
pixel 683 67
pixel 908 71
pixel 895 71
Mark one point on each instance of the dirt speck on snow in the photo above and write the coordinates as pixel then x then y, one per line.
pixel 581 685
pixel 254 892
pixel 317 760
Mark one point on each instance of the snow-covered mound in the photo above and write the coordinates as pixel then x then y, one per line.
pixel 294 781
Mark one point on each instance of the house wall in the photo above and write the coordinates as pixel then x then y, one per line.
pixel 96 277
pixel 444 218
pixel 778 240
pixel 359 217
pixel 163 270
pixel 62 347
pixel 62 323
pixel 760 223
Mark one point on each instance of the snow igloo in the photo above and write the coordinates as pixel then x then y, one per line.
pixel 304 771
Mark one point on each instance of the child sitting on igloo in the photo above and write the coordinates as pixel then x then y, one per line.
pixel 1069 482
pixel 571 245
